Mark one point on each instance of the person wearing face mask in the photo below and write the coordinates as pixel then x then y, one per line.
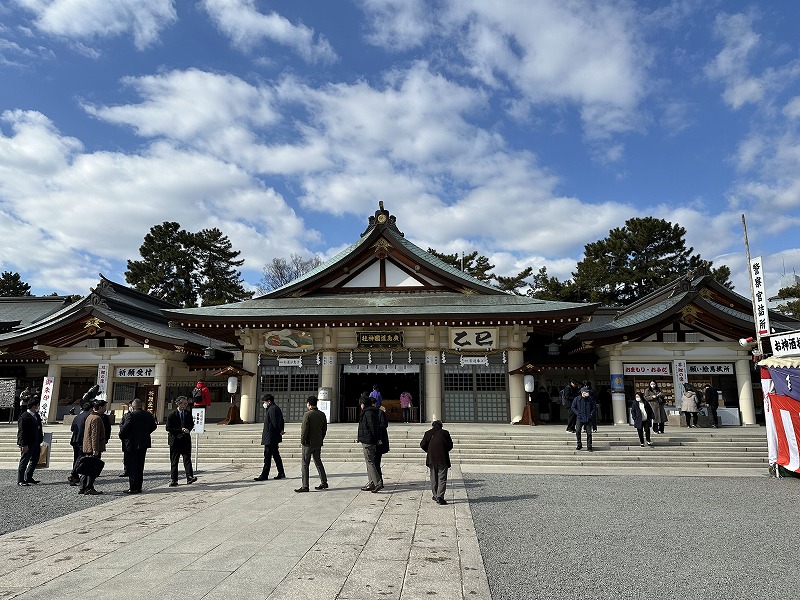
pixel 271 437
pixel 642 416
pixel 655 398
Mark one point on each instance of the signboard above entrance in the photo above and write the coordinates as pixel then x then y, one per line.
pixel 474 360
pixel 647 369
pixel 473 338
pixel 380 339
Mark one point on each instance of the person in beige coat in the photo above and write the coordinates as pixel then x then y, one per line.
pixel 690 404
pixel 94 443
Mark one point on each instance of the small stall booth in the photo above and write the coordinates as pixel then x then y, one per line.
pixel 780 383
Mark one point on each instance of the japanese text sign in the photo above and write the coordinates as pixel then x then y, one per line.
pixel 760 311
pixel 473 338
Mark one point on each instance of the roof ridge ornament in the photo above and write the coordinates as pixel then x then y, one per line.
pixel 381 220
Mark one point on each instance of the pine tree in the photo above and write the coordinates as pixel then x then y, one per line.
pixel 792 305
pixel 636 259
pixel 11 285
pixel 218 281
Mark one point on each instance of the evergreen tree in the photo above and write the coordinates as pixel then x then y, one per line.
pixel 186 268
pixel 792 305
pixel 280 271
pixel 636 259
pixel 11 285
pixel 167 265
pixel 218 280
pixel 545 287
pixel 479 267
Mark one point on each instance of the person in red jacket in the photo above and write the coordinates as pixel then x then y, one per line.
pixel 201 395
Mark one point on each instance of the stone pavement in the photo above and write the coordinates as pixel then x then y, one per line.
pixel 227 536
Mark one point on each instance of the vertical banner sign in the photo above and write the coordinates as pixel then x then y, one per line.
pixel 679 377
pixel 102 379
pixel 199 416
pixel 759 296
pixel 46 398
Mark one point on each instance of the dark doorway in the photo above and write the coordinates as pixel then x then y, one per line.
pixel 390 385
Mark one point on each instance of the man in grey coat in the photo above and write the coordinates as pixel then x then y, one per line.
pixel 437 443
pixel 271 437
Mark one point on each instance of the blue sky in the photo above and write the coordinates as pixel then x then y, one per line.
pixel 523 129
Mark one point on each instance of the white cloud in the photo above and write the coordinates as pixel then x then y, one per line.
pixel 241 21
pixel 90 19
pixel 397 24
pixel 586 54
pixel 47 179
pixel 792 109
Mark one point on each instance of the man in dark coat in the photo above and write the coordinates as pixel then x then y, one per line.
pixel 76 441
pixel 179 426
pixel 437 443
pixel 271 437
pixel 584 408
pixel 712 400
pixel 312 435
pixel 29 439
pixel 134 431
pixel 369 434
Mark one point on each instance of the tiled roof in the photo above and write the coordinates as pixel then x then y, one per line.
pixel 393 304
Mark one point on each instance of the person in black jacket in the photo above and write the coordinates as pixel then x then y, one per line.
pixel 642 415
pixel 437 443
pixel 29 439
pixel 271 437
pixel 179 426
pixel 383 447
pixel 584 408
pixel 134 431
pixel 370 436
pixel 76 441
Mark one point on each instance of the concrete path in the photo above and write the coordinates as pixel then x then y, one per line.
pixel 227 536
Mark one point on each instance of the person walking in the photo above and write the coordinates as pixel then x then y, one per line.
pixel 271 437
pixel 369 436
pixel 405 404
pixel 584 408
pixel 134 431
pixel 312 435
pixel 568 395
pixel 690 404
pixel 377 398
pixel 437 444
pixel 655 398
pixel 179 426
pixel 642 416
pixel 712 400
pixel 29 439
pixel 94 444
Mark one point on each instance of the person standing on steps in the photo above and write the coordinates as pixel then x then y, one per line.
pixel 584 407
pixel 690 405
pixel 642 415
pixel 271 437
pixel 375 394
pixel 712 400
pixel 312 436
pixel 179 426
pixel 655 397
pixel 405 404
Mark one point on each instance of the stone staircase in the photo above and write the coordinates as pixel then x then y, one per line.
pixel 539 447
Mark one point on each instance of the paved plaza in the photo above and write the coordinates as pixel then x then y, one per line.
pixel 506 534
